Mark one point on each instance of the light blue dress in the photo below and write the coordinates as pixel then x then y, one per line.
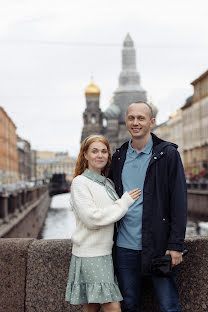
pixel 92 280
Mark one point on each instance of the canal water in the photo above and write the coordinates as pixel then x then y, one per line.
pixel 60 221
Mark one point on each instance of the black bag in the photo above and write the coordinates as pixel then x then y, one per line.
pixel 161 266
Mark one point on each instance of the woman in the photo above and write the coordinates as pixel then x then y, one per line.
pixel 96 206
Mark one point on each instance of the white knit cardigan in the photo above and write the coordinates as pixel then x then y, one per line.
pixel 95 214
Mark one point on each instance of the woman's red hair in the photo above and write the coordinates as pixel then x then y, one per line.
pixel 82 164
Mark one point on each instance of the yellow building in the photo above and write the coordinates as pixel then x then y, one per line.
pixel 8 149
pixel 171 130
pixel 45 154
pixel 162 131
pixel 48 163
pixel 195 127
pixel 176 130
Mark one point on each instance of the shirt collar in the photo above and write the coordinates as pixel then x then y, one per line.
pixel 94 176
pixel 146 150
pixel 98 178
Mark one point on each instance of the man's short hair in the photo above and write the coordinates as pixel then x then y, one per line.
pixel 143 102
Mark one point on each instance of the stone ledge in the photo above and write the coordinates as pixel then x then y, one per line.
pixel 48 265
pixel 13 270
pixel 34 273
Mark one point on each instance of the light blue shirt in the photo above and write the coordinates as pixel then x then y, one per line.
pixel 133 176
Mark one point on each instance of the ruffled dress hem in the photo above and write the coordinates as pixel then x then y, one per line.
pixel 93 293
pixel 92 280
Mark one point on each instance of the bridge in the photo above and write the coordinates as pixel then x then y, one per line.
pixel 33 273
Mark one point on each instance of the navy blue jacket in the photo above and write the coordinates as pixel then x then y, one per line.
pixel 164 199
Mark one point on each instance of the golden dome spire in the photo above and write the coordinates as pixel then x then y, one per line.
pixel 92 89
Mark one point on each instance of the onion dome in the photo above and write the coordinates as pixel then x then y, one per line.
pixel 154 109
pixel 92 89
pixel 113 111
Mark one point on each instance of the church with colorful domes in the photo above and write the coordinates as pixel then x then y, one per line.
pixel 111 123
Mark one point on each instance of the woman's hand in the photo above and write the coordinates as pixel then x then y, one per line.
pixel 135 194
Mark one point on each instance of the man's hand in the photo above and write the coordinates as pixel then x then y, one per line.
pixel 176 256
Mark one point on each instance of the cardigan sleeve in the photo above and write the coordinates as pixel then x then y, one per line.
pixel 87 211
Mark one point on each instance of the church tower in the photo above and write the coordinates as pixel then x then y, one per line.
pixel 111 122
pixel 129 89
pixel 92 116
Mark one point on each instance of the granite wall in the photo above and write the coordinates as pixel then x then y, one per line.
pixel 33 276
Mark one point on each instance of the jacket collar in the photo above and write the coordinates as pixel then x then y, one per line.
pixel 158 146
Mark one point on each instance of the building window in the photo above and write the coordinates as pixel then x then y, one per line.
pixel 104 122
pixel 85 119
pixel 93 119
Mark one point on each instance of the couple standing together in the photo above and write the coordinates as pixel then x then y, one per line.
pixel 144 187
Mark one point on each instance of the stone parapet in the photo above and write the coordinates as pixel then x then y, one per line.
pixel 198 204
pixel 13 271
pixel 23 212
pixel 33 276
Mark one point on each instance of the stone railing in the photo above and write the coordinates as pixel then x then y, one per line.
pixel 33 277
pixel 16 205
pixel 197 185
pixel 198 204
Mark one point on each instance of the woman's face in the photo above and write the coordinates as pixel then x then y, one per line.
pixel 97 156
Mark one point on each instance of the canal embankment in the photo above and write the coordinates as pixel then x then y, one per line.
pixel 23 211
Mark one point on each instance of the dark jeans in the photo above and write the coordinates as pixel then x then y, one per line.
pixel 130 283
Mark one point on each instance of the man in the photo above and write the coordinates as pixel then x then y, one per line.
pixel 155 224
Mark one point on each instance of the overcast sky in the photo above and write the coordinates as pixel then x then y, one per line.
pixel 50 48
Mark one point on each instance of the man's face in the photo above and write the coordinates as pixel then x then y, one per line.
pixel 138 120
